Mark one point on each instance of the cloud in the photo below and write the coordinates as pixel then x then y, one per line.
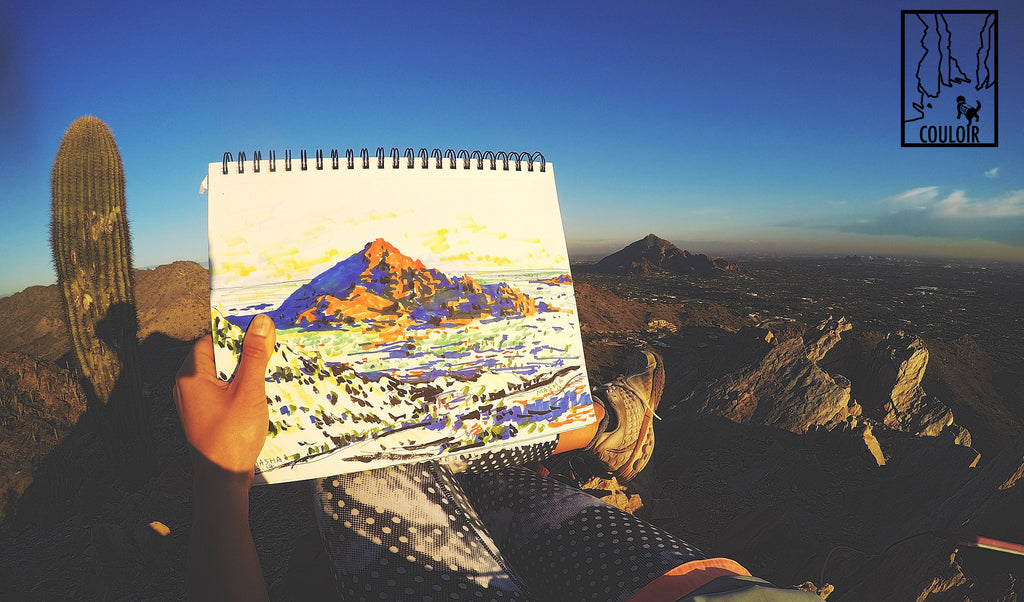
pixel 958 206
pixel 925 212
pixel 992 173
pixel 915 198
pixel 925 201
pixel 954 205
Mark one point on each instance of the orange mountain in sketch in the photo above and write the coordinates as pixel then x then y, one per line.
pixel 386 292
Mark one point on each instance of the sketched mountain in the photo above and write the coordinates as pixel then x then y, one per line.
pixel 381 284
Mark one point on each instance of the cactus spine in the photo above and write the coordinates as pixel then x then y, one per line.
pixel 92 254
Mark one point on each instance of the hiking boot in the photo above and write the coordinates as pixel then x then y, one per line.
pixel 625 443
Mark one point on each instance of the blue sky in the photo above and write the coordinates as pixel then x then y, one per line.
pixel 721 127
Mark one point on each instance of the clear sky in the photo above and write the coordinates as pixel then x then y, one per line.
pixel 721 126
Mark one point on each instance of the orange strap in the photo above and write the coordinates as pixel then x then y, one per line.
pixel 687 577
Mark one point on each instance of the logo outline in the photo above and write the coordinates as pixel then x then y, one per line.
pixel 947 134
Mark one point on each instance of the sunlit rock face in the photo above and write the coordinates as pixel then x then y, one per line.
pixel 782 388
pixel 896 368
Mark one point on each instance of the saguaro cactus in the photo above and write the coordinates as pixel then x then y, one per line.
pixel 92 253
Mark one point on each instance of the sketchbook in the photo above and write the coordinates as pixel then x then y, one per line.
pixel 423 303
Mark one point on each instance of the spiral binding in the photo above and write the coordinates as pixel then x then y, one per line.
pixel 411 156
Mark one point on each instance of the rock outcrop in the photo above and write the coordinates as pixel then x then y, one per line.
pixel 895 369
pixel 820 340
pixel 801 384
pixel 783 389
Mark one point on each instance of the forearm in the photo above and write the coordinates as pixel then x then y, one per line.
pixel 222 563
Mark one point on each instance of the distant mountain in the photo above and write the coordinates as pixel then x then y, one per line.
pixel 653 254
pixel 381 284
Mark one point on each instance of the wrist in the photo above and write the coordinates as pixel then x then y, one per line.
pixel 210 478
pixel 220 500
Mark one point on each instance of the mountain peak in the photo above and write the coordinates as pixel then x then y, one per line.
pixel 379 246
pixel 654 254
pixel 380 252
pixel 380 284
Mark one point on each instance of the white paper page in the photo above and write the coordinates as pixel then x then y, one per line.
pixel 421 312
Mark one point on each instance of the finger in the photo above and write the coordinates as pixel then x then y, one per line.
pixel 199 360
pixel 257 347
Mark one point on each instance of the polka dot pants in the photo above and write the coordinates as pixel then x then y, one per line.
pixel 568 544
pixel 411 533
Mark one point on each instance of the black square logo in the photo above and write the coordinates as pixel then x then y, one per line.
pixel 950 84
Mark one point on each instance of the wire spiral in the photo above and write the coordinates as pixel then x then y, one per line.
pixel 468 159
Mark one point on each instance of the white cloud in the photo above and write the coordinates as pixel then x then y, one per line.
pixel 958 206
pixel 916 198
pixel 992 173
pixel 954 205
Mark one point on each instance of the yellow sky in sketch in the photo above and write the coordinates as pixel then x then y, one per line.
pixel 456 222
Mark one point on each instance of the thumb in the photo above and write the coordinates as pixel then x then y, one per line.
pixel 257 347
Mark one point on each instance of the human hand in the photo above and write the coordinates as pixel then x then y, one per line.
pixel 226 422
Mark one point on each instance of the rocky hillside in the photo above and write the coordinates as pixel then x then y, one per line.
pixel 819 454
pixel 172 299
pixel 653 254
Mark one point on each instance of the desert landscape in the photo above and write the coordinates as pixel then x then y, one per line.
pixel 838 311
pixel 842 424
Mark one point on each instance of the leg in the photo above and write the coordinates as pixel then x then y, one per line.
pixel 409 530
pixel 408 533
pixel 572 546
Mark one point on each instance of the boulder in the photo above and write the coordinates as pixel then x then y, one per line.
pixel 897 365
pixel 822 338
pixel 783 389
pixel 895 370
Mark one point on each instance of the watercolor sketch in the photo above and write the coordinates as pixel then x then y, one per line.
pixel 419 315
